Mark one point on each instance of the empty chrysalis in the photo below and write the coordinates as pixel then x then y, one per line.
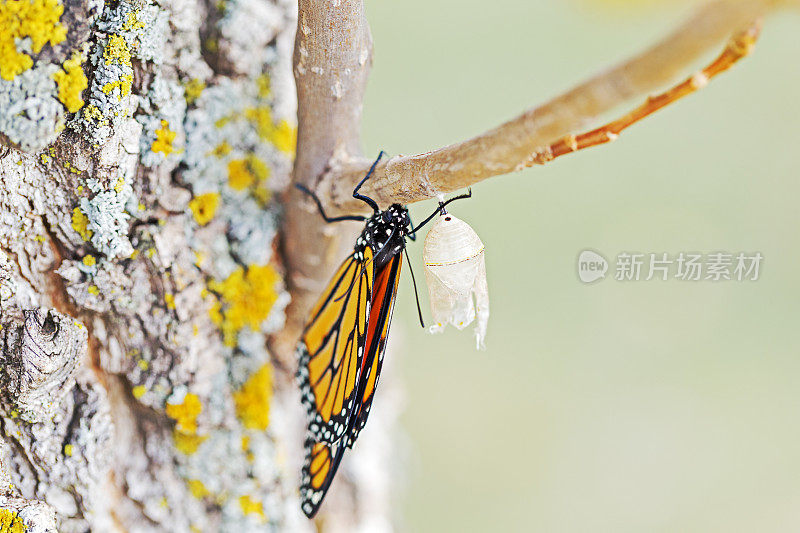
pixel 455 270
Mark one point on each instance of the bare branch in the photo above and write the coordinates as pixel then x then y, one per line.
pixel 332 58
pixel 738 47
pixel 510 146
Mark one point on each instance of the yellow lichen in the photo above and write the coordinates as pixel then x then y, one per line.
pixel 284 137
pixel 259 169
pixel 261 117
pixel 142 364
pixel 246 299
pixel 92 113
pixel 138 391
pixel 117 51
pixel 71 83
pixel 263 84
pixel 220 122
pixel 242 173
pixel 89 260
pixel 193 89
pixel 125 83
pixel 222 149
pixel 253 399
pixel 251 506
pixel 187 443
pixel 239 176
pixel 169 299
pixel 93 290
pixel 185 413
pixel 79 223
pixel 215 313
pixel 69 449
pixel 10 522
pixel 204 207
pixel 37 19
pixel 262 193
pixel 164 139
pixel 132 23
pixel 197 489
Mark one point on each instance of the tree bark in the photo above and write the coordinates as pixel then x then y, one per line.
pixel 138 273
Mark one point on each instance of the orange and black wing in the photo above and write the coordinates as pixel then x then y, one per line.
pixel 331 349
pixel 322 461
pixel 380 318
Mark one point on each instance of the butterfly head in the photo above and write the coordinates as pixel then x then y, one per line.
pixel 397 216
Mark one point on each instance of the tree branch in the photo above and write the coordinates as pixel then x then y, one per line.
pixel 332 60
pixel 511 146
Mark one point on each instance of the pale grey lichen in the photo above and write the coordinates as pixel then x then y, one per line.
pixel 250 226
pixel 144 28
pixel 132 30
pixel 164 107
pixel 108 219
pixel 30 115
pixel 110 100
pixel 247 26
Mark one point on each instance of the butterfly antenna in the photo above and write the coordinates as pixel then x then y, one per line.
pixel 366 199
pixel 416 294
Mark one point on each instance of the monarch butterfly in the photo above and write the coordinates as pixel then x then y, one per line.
pixel 341 350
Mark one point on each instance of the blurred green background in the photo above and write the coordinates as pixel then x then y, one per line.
pixel 642 406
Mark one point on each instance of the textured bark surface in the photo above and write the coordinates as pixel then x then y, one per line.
pixel 140 282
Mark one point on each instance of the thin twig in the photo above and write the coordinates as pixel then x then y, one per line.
pixel 510 146
pixel 738 47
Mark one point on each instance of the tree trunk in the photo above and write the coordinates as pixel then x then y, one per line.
pixel 144 148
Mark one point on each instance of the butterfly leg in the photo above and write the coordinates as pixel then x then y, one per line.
pixel 738 47
pixel 439 211
pixel 322 210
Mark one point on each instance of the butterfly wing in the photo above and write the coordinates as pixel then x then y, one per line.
pixel 323 458
pixel 322 461
pixel 383 297
pixel 331 349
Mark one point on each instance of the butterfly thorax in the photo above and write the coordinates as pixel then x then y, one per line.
pixel 385 233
